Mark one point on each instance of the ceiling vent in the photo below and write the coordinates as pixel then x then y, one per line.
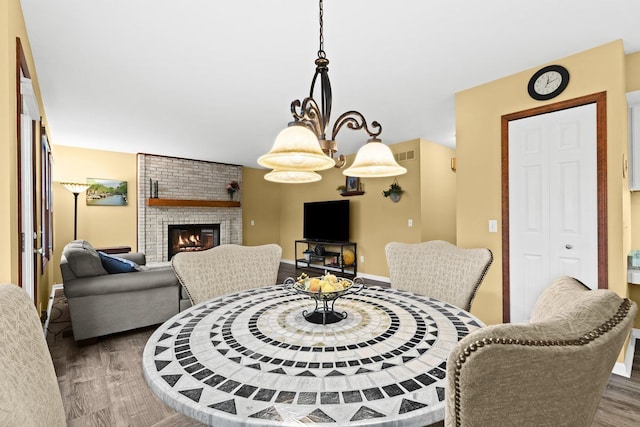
pixel 405 155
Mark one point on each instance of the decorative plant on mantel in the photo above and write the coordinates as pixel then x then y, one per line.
pixel 394 192
pixel 232 187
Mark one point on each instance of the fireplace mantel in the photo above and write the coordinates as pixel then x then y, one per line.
pixel 193 203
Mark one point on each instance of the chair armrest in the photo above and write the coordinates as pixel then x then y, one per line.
pixel 123 282
pixel 137 257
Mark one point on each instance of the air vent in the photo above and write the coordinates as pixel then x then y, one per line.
pixel 405 155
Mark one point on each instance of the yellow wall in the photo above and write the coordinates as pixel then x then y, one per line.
pixel 375 220
pixel 12 24
pixel 633 84
pixel 8 181
pixel 438 192
pixel 478 133
pixel 99 225
pixel 260 204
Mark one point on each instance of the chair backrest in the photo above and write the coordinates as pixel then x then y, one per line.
pixel 438 269
pixel 80 259
pixel 29 393
pixel 551 371
pixel 225 269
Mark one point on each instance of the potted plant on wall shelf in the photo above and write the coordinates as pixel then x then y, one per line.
pixel 231 188
pixel 341 189
pixel 394 192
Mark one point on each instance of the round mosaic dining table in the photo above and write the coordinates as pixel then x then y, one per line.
pixel 251 359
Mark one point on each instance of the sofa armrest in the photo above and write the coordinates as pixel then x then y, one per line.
pixel 123 282
pixel 137 257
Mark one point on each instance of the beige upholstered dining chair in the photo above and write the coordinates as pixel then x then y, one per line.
pixel 225 269
pixel 29 393
pixel 551 371
pixel 438 269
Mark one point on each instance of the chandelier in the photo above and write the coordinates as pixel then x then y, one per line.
pixel 303 148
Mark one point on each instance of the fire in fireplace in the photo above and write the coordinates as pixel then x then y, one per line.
pixel 192 237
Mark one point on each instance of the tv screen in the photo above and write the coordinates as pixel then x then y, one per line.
pixel 326 221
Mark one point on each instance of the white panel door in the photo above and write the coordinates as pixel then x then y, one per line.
pixel 553 209
pixel 30 113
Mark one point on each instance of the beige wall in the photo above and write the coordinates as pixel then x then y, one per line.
pixel 8 181
pixel 99 225
pixel 260 204
pixel 478 113
pixel 375 220
pixel 12 24
pixel 438 192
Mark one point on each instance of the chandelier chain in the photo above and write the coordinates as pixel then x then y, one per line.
pixel 321 53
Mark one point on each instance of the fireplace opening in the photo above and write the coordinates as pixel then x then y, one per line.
pixel 192 237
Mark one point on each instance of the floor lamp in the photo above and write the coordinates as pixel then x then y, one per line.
pixel 75 188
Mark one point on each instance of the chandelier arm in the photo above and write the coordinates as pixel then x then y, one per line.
pixel 309 114
pixel 356 121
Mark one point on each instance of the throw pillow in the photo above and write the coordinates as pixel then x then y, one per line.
pixel 114 265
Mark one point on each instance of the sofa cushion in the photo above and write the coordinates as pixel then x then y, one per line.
pixel 114 264
pixel 83 260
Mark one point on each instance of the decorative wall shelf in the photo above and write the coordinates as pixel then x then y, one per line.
pixel 193 203
pixel 352 193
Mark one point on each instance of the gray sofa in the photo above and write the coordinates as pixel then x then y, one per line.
pixel 102 303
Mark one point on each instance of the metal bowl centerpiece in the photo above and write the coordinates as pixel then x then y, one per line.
pixel 324 290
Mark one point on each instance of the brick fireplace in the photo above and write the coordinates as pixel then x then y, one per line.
pixel 187 183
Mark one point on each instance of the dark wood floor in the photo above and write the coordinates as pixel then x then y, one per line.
pixel 102 383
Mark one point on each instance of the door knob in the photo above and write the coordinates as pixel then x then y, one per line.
pixel 568 246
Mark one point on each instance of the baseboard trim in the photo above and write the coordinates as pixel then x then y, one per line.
pixel 54 288
pixel 624 368
pixel 363 275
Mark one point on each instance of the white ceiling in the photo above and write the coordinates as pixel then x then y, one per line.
pixel 214 80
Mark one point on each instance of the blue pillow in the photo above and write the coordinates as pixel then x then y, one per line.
pixel 113 264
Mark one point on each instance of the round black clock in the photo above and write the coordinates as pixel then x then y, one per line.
pixel 548 82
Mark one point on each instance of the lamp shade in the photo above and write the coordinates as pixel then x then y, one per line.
pixel 374 160
pixel 292 177
pixel 296 148
pixel 75 187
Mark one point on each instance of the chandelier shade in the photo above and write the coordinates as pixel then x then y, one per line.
pixel 296 148
pixel 374 160
pixel 305 146
pixel 292 177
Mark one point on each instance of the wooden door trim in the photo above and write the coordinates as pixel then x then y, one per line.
pixel 600 99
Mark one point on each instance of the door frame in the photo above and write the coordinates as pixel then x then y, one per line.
pixel 21 69
pixel 600 99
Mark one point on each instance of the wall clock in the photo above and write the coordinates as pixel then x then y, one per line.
pixel 548 82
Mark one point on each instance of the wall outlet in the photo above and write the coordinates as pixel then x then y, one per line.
pixel 362 258
pixel 410 223
pixel 253 222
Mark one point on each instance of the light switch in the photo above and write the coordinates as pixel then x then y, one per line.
pixel 253 222
pixel 410 223
pixel 493 226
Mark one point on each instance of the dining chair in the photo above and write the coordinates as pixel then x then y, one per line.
pixel 438 269
pixel 551 371
pixel 29 393
pixel 225 269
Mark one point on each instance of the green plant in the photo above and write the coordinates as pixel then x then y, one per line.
pixel 394 188
pixel 341 189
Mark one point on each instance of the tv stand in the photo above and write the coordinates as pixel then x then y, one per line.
pixel 332 260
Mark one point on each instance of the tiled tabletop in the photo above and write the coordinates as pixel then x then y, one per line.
pixel 251 359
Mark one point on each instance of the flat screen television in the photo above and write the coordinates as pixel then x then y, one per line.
pixel 326 221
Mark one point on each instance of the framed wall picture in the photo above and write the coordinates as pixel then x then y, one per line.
pixel 352 184
pixel 106 192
